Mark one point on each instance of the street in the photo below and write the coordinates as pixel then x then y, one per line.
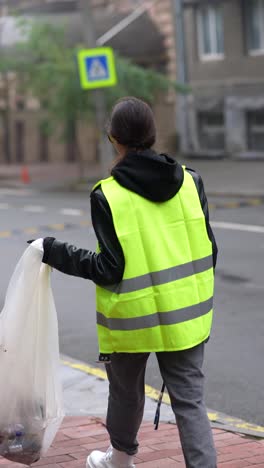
pixel 234 358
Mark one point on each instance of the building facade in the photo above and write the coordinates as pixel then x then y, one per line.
pixel 224 58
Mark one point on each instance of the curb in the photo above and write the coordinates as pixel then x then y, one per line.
pixel 86 187
pixel 258 196
pixel 247 199
pixel 218 419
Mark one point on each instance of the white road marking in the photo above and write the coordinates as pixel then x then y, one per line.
pixel 42 209
pixel 34 208
pixel 71 212
pixel 238 227
pixel 9 191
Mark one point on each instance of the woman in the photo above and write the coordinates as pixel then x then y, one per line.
pixel 154 272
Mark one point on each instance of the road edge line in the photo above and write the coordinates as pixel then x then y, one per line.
pixel 218 419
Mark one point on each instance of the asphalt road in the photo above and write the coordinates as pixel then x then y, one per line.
pixel 234 358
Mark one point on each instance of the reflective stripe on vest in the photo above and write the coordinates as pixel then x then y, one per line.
pixel 165 299
pixel 162 277
pixel 159 318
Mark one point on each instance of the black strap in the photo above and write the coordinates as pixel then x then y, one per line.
pixel 157 414
pixel 104 358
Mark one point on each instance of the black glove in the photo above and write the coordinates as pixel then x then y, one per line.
pixel 47 244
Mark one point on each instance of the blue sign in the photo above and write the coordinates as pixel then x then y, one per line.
pixel 97 68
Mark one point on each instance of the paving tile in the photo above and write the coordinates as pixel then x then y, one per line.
pixel 102 445
pixel 246 445
pixel 145 449
pixel 55 459
pixel 76 455
pixel 53 451
pixel 52 465
pixel 73 421
pixel 164 462
pixel 256 460
pixel 74 464
pixel 234 464
pixel 74 442
pixel 167 445
pixel 158 454
pixel 60 436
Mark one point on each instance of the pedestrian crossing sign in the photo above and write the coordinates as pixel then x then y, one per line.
pixel 97 68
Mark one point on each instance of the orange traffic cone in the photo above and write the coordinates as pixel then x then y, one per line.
pixel 25 178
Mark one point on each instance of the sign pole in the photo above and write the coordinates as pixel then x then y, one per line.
pixel 182 76
pixel 105 149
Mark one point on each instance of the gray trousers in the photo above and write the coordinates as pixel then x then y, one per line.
pixel 183 377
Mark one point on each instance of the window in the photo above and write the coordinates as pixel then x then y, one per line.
pixel 255 128
pixel 255 25
pixel 211 127
pixel 210 32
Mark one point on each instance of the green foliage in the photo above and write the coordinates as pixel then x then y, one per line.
pixel 137 81
pixel 48 68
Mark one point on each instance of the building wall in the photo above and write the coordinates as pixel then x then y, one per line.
pixel 162 13
pixel 224 90
pixel 27 141
pixel 237 67
pixel 27 148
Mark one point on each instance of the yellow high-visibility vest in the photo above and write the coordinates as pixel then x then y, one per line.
pixel 165 299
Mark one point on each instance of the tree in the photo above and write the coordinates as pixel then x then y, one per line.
pixel 47 67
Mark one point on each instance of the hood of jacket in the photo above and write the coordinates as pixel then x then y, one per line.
pixel 157 177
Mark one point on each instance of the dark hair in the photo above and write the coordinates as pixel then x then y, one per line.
pixel 132 123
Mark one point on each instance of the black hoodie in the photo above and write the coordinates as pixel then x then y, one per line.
pixel 153 176
pixel 156 177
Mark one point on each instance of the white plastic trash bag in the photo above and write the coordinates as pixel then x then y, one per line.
pixel 30 393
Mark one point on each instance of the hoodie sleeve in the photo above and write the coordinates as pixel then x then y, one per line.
pixel 104 268
pixel 204 204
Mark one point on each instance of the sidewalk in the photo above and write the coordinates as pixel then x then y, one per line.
pixel 83 429
pixel 78 436
pixel 221 177
pixel 231 178
pixel 46 176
